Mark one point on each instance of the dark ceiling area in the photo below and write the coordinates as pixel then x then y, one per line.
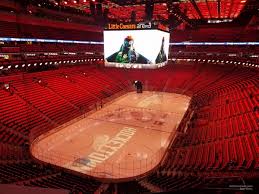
pixel 171 12
pixel 193 9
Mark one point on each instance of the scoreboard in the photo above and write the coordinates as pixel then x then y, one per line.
pixel 140 45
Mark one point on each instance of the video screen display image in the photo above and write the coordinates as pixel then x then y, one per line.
pixel 136 46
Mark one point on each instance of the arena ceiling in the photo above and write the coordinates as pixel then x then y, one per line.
pixel 193 9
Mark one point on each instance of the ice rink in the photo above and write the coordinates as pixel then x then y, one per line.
pixel 125 138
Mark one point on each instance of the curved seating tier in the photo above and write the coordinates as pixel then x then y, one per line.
pixel 219 135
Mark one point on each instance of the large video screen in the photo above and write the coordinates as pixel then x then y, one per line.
pixel 136 46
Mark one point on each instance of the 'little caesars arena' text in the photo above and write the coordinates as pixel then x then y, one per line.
pixel 122 26
pixel 105 151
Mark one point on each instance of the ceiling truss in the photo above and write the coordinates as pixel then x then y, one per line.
pixel 194 9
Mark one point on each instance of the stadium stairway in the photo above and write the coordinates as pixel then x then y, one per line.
pixel 152 188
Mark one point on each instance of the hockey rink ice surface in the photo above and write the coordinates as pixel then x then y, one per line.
pixel 125 138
